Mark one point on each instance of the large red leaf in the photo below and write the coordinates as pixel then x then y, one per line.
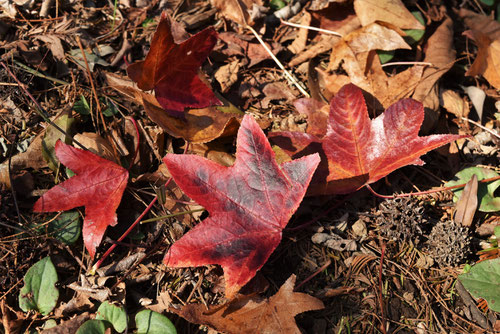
pixel 172 69
pixel 249 204
pixel 98 185
pixel 357 150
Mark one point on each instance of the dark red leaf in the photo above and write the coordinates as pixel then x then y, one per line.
pixel 172 69
pixel 249 204
pixel 98 185
pixel 359 150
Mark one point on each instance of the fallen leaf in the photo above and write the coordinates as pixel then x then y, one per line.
pixel 479 22
pixel 354 54
pixel 227 75
pixel 356 150
pixel 197 126
pixel 255 52
pixel 390 11
pixel 255 314
pixel 98 185
pixel 487 62
pixel 171 70
pixel 249 203
pixel 454 103
pixel 300 41
pixel 239 11
pixel 52 135
pixel 440 52
pixel 97 145
pixel 467 203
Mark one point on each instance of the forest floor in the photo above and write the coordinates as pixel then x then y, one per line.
pixel 378 265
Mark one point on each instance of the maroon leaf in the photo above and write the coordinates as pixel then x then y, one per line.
pixel 249 204
pixel 172 69
pixel 358 150
pixel 98 185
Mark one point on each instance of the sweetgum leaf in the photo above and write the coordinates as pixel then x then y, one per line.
pixel 172 69
pixel 98 185
pixel 357 150
pixel 249 203
pixel 255 314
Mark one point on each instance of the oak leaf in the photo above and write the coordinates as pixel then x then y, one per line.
pixel 249 203
pixel 356 150
pixel 171 69
pixel 255 315
pixel 98 185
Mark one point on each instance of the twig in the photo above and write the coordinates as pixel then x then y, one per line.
pixel 288 75
pixel 296 25
pixel 494 133
pixel 432 191
pixel 407 63
pixel 94 92
pixel 12 181
pixel 323 267
pixel 39 74
pixel 382 253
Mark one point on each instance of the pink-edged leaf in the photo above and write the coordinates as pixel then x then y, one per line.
pixel 172 69
pixel 98 185
pixel 360 150
pixel 249 203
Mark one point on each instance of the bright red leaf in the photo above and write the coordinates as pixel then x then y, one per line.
pixel 249 203
pixel 357 150
pixel 172 69
pixel 98 185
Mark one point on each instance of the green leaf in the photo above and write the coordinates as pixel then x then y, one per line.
pixel 114 314
pixel 39 291
pixel 385 56
pixel 111 109
pixel 277 4
pixel 149 322
pixel 413 36
pixel 488 2
pixel 485 192
pixel 92 59
pixel 82 106
pixel 483 281
pixel 66 228
pixel 52 135
pixel 93 327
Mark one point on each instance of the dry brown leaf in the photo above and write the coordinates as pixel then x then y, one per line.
pixel 467 203
pixel 482 23
pixel 227 75
pixel 337 17
pixel 454 103
pixel 255 52
pixel 68 326
pixel 97 144
pixel 354 53
pixel 487 62
pixel 31 158
pixel 239 11
pixel 390 11
pixel 255 314
pixel 300 41
pixel 199 125
pixel 441 53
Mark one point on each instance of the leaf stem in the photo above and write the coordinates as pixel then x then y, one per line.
pixel 311 28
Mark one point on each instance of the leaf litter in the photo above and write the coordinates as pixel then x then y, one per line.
pixel 403 256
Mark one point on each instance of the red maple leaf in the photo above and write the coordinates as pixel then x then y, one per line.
pixel 249 203
pixel 98 185
pixel 172 69
pixel 357 150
